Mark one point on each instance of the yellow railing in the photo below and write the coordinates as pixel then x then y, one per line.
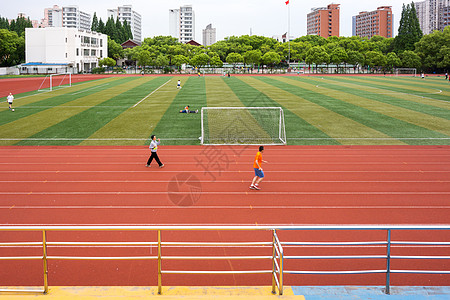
pixel 277 258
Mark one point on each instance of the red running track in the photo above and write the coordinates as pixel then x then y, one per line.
pixel 324 185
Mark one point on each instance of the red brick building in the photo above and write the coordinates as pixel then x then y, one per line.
pixel 378 22
pixel 324 21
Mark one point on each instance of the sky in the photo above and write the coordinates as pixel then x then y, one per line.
pixel 229 17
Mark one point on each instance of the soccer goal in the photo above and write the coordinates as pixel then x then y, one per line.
pixel 56 81
pixel 242 126
pixel 406 72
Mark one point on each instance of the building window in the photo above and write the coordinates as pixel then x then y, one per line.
pixel 86 52
pixel 101 53
pixel 93 52
pixel 78 52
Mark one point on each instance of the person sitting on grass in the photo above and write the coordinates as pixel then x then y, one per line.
pixel 187 111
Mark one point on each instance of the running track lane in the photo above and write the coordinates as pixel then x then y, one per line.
pixel 209 185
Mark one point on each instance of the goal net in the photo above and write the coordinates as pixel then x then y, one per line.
pixel 406 72
pixel 54 81
pixel 243 126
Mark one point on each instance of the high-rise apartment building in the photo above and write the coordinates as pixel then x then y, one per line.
pixel 209 35
pixel 379 22
pixel 324 21
pixel 431 14
pixel 446 16
pixel 67 16
pixel 182 23
pixel 133 19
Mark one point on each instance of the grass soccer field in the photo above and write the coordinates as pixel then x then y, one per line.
pixel 328 110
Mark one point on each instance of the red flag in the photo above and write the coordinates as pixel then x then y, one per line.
pixel 287 2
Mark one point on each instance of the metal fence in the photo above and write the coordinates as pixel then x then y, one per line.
pixel 277 258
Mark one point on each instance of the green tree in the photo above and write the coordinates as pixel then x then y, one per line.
pixel 234 59
pixel 94 26
pixel 118 32
pixel 114 49
pixel 110 28
pixel 271 58
pixel 433 50
pixel 215 62
pixel 4 23
pixel 161 61
pixel 107 61
pixel 392 60
pixel 409 59
pixel 253 57
pixel 127 31
pixel 200 60
pixel 12 48
pixel 101 27
pixel 409 31
pixel 338 56
pixel 144 58
pixel 179 60
pixel 375 59
pixel 317 55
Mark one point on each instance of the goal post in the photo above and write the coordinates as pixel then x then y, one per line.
pixel 406 72
pixel 65 80
pixel 53 81
pixel 242 126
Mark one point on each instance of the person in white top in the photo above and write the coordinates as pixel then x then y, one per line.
pixel 179 84
pixel 153 148
pixel 10 101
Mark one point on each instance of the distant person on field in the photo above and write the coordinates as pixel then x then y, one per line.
pixel 10 99
pixel 186 110
pixel 259 174
pixel 446 75
pixel 153 148
pixel 179 84
pixel 423 76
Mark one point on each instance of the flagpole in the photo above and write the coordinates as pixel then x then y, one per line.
pixel 289 33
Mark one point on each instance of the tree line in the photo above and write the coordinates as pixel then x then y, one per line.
pixel 409 49
pixel 12 41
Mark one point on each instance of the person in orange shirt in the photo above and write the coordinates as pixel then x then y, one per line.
pixel 259 174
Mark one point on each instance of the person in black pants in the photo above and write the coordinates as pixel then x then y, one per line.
pixel 153 148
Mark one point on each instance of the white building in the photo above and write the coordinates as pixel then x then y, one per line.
pixel 74 48
pixel 182 23
pixel 209 35
pixel 174 23
pixel 67 16
pixel 133 19
pixel 431 14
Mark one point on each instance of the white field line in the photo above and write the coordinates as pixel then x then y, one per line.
pixel 151 93
pixel 397 92
pixel 40 92
pixel 196 138
pixel 95 87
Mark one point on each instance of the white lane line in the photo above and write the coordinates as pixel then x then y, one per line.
pixel 219 207
pixel 190 171
pixel 246 192
pixel 226 181
pixel 151 93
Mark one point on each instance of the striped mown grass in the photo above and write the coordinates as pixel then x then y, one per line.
pixel 319 110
